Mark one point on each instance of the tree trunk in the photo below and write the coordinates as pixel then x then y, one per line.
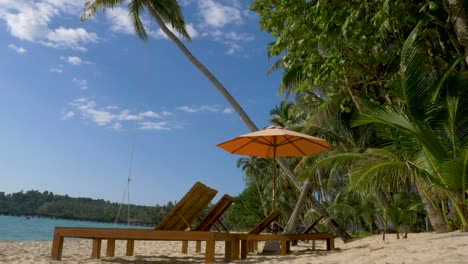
pixel 290 228
pixel 292 223
pixel 224 92
pixel 245 118
pixel 458 20
pixel 332 224
pixel 434 212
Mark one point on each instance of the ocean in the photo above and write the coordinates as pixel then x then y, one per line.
pixel 15 228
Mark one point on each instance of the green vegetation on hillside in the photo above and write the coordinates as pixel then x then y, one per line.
pixel 63 206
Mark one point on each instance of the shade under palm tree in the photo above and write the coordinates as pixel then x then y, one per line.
pixel 273 142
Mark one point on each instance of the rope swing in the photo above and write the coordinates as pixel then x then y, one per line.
pixel 135 128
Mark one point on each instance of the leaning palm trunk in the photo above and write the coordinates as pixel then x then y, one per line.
pixel 330 222
pixel 459 21
pixel 434 212
pixel 245 118
pixel 290 229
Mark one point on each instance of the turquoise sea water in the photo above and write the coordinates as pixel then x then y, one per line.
pixel 14 228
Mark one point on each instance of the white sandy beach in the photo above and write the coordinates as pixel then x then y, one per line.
pixel 418 248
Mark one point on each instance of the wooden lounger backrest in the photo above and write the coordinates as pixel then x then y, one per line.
pixel 266 222
pixel 312 226
pixel 215 213
pixel 188 208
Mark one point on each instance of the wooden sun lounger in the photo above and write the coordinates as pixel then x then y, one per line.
pixel 171 228
pixel 285 241
pixel 248 242
pixel 252 245
pixel 209 221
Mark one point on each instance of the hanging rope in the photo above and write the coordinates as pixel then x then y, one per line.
pixel 135 129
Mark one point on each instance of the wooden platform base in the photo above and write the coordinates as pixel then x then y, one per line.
pixel 113 234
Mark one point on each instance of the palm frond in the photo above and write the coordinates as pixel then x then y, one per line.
pixel 389 116
pixel 171 13
pixel 134 10
pixel 389 175
pixel 341 160
pixel 90 7
pixel 455 173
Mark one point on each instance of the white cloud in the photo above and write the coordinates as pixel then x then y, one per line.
pixel 221 22
pixel 193 33
pixel 166 113
pixel 74 60
pixel 207 108
pixel 119 20
pixel 31 21
pixel 186 109
pixel 19 50
pixel 227 110
pixel 217 15
pixel 233 48
pixel 117 126
pixel 109 117
pixel 150 114
pixel 202 108
pixel 68 115
pixel 244 37
pixel 153 126
pixel 126 116
pixel 69 38
pixel 56 69
pixel 82 84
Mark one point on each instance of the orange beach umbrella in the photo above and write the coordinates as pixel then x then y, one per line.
pixel 273 142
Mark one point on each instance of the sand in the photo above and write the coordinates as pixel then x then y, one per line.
pixel 418 248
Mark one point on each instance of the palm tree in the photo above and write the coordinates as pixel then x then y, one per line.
pixel 255 170
pixel 431 122
pixel 168 11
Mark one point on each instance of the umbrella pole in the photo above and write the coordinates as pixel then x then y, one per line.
pixel 273 205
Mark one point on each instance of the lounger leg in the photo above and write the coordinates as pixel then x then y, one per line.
pixel 110 248
pixel 243 249
pixel 57 246
pixel 184 247
pixel 250 246
pixel 284 247
pixel 228 250
pixel 130 247
pixel 210 251
pixel 235 248
pixel 330 244
pixel 198 247
pixel 96 253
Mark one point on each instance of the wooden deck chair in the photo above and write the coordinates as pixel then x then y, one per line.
pixel 260 227
pixel 309 229
pixel 171 228
pixel 210 220
pixel 248 242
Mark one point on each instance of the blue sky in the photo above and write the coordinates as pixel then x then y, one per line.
pixel 69 100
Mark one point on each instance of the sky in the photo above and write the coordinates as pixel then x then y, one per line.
pixel 74 96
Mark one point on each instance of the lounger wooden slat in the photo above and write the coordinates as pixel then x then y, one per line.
pixel 190 206
pixel 215 213
pixel 273 216
pixel 211 218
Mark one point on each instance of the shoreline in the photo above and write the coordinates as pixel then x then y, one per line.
pixel 421 248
